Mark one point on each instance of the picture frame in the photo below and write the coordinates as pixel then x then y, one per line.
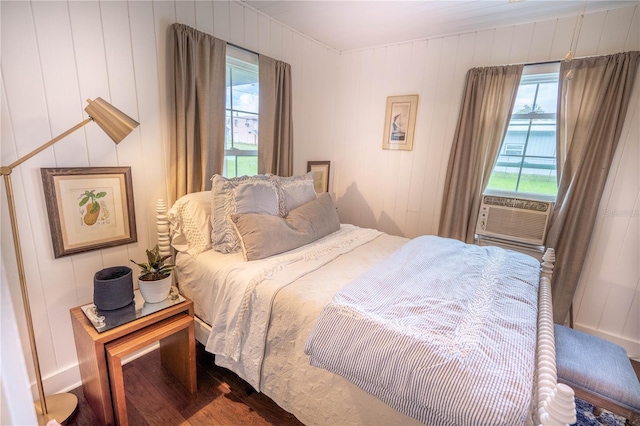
pixel 320 171
pixel 400 122
pixel 89 208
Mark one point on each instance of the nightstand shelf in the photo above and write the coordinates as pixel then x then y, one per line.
pixel 172 326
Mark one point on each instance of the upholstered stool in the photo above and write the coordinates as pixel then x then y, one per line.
pixel 599 372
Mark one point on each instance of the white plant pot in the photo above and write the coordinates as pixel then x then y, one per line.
pixel 155 291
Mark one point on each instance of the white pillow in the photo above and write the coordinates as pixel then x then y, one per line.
pixel 246 194
pixel 296 190
pixel 190 222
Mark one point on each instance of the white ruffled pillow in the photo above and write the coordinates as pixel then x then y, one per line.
pixel 296 190
pixel 190 221
pixel 245 194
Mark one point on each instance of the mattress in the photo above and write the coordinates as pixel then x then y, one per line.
pixel 286 376
pixel 261 314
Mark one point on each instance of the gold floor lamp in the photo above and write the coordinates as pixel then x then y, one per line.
pixel 117 125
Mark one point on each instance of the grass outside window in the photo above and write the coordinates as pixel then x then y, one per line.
pixel 544 184
pixel 241 165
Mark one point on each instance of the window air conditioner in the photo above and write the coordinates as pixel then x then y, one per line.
pixel 514 219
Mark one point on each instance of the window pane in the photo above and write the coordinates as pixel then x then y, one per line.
pixel 542 139
pixel 524 99
pixel 505 173
pixel 241 120
pixel 245 91
pixel 547 99
pixel 538 180
pixel 245 131
pixel 527 158
pixel 228 130
pixel 228 86
pixel 237 165
pixel 243 97
pixel 241 131
pixel 516 134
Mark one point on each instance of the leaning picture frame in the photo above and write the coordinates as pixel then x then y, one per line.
pixel 89 208
pixel 320 171
pixel 400 122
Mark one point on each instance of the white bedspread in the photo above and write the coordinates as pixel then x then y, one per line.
pixel 243 296
pixel 442 331
pixel 315 396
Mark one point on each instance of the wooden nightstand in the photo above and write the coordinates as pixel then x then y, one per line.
pixel 97 351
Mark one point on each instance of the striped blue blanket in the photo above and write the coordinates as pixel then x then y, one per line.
pixel 442 331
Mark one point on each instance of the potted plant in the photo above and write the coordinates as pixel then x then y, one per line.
pixel 154 280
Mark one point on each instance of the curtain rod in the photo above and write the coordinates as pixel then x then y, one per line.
pixel 243 48
pixel 545 62
pixel 211 35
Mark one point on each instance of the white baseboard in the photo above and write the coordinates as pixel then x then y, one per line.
pixel 69 378
pixel 632 347
pixel 60 382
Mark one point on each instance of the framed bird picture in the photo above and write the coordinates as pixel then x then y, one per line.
pixel 400 122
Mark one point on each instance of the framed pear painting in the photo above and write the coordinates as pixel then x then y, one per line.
pixel 89 208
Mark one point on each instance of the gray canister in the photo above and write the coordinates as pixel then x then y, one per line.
pixel 113 288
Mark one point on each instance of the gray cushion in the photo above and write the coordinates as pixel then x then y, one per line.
pixel 296 190
pixel 597 366
pixel 245 194
pixel 265 235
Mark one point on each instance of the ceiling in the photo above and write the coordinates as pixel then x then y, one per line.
pixel 352 25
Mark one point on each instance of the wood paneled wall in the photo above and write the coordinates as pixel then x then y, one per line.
pixel 56 54
pixel 400 192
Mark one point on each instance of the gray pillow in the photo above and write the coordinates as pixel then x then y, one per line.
pixel 296 190
pixel 265 235
pixel 246 194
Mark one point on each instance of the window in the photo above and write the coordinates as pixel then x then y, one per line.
pixel 527 158
pixel 514 148
pixel 241 123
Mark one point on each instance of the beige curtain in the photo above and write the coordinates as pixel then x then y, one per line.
pixel 197 150
pixel 275 125
pixel 591 113
pixel 487 102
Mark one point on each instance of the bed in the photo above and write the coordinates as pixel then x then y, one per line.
pixel 282 292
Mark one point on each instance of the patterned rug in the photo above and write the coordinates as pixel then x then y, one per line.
pixel 586 418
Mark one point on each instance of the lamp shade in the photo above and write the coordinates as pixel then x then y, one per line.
pixel 114 122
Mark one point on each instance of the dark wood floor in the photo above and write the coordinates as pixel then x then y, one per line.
pixel 154 397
